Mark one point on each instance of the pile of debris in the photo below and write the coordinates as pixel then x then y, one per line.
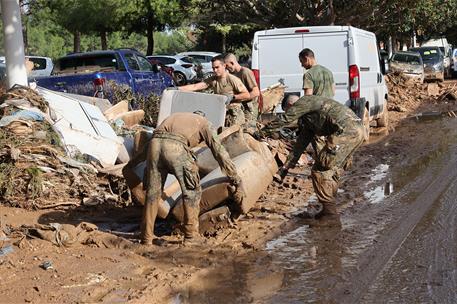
pixel 38 169
pixel 407 93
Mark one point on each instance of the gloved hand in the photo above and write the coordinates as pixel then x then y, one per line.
pixel 259 135
pixel 230 98
pixel 281 174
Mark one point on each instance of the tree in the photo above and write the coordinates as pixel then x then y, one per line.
pixel 149 16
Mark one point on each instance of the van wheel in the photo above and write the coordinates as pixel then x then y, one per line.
pixel 383 120
pixel 366 125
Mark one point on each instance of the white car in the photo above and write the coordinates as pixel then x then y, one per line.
pixel 454 62
pixel 42 66
pixel 350 53
pixel 203 58
pixel 184 67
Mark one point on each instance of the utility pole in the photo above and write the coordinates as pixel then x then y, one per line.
pixel 13 43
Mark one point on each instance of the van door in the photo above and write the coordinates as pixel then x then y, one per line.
pixel 278 60
pixel 331 51
pixel 371 79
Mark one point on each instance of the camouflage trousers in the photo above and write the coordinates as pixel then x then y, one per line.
pixel 169 155
pixel 234 115
pixel 334 157
pixel 244 114
pixel 251 113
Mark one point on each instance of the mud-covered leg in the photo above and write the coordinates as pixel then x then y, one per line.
pixel 155 182
pixel 234 116
pixel 325 184
pixel 189 180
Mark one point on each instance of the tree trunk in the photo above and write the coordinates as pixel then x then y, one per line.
pixel 104 40
pixel 224 44
pixel 332 14
pixel 76 41
pixel 150 34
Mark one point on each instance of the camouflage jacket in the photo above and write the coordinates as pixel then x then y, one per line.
pixel 316 115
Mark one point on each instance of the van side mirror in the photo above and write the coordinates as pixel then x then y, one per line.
pixel 155 68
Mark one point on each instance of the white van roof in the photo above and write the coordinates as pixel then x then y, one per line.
pixel 309 29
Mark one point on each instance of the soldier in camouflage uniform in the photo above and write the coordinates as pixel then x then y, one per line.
pixel 169 151
pixel 224 83
pixel 343 131
pixel 250 106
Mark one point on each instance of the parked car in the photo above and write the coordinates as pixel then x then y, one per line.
pixel 350 53
pixel 433 62
pixel 204 59
pixel 184 67
pixel 2 74
pixel 163 67
pixel 92 73
pixel 454 63
pixel 42 66
pixel 408 63
pixel 446 50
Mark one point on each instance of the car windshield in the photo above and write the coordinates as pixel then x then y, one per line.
pixel 428 54
pixel 406 58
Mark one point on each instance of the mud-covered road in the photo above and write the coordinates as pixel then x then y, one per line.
pixel 395 242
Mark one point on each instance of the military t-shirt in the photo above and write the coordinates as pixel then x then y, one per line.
pixel 228 84
pixel 320 79
pixel 248 79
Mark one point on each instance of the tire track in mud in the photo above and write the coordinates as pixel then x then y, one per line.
pixel 440 177
pixel 424 269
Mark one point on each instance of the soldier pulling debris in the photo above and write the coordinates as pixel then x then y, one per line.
pixel 344 134
pixel 169 151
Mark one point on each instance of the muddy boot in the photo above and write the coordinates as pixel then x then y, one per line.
pixel 312 211
pixel 194 241
pixel 147 223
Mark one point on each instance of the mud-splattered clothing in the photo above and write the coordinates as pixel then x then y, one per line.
pixel 344 134
pixel 169 152
pixel 229 85
pixel 250 107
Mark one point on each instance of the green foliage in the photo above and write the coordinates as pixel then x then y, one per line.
pixel 172 42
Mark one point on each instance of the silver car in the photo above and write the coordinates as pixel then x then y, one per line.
pixel 184 67
pixel 408 63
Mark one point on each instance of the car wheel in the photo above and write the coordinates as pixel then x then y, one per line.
pixel 179 78
pixel 366 124
pixel 383 120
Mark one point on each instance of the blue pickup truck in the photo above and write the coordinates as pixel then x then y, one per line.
pixel 93 74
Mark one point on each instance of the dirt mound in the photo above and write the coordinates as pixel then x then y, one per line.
pixel 406 93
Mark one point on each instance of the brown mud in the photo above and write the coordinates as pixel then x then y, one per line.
pixel 398 215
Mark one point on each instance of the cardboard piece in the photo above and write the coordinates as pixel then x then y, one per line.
pixel 119 108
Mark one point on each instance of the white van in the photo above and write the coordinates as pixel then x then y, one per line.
pixel 350 53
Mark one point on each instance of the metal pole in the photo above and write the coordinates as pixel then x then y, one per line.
pixel 14 43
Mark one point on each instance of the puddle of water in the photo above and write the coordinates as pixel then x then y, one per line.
pixel 377 194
